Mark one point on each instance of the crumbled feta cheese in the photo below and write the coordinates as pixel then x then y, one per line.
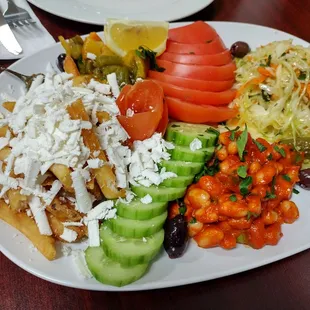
pixel 94 163
pixel 93 233
pixel 39 215
pixel 3 142
pixel 83 199
pixel 195 145
pixel 75 224
pixel 113 83
pixel 66 250
pixel 146 199
pixel 80 264
pixel 130 113
pixel 103 210
pixel 91 56
pixel 68 235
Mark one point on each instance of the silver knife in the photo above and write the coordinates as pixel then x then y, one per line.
pixel 7 37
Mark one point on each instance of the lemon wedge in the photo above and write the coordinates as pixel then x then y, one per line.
pixel 122 36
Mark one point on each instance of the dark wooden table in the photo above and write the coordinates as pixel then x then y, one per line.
pixel 282 285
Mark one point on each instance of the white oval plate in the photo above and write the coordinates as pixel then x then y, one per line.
pixel 96 12
pixel 197 264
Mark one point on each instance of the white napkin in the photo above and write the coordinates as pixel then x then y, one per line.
pixel 31 37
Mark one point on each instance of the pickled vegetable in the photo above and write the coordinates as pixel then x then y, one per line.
pixel 103 60
pixel 137 65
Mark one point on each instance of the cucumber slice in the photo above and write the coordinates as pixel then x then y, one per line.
pixel 180 181
pixel 110 272
pixel 184 133
pixel 159 193
pixel 130 251
pixel 135 228
pixel 186 154
pixel 182 168
pixel 136 210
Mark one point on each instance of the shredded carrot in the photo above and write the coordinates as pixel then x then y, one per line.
pixel 254 81
pixel 274 66
pixel 265 72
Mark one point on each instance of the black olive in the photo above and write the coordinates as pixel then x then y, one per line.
pixel 304 176
pixel 175 236
pixel 60 62
pixel 239 49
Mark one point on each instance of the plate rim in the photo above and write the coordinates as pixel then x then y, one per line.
pixel 150 286
pixel 92 22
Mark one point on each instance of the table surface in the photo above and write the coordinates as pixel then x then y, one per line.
pixel 283 285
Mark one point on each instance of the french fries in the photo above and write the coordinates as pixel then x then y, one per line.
pixel 64 211
pixel 3 131
pixel 28 227
pixel 63 174
pixel 9 105
pixel 58 228
pixel 18 202
pixel 4 153
pixel 105 176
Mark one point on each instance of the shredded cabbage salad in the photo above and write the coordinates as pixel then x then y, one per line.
pixel 273 91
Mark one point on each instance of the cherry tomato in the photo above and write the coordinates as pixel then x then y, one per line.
pixel 198 96
pixel 145 98
pixel 192 113
pixel 197 32
pixel 220 59
pixel 213 47
pixel 201 72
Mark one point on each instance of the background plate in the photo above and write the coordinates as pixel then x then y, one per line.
pixel 197 264
pixel 96 12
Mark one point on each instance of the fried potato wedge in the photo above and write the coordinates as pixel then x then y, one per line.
pixel 105 176
pixel 63 174
pixel 64 211
pixel 28 227
pixel 18 202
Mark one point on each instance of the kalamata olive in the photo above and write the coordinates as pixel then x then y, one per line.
pixel 60 62
pixel 175 236
pixel 304 176
pixel 240 49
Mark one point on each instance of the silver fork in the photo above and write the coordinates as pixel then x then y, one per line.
pixel 16 16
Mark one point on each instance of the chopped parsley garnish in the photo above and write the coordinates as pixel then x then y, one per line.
pixel 251 214
pixel 241 171
pixel 286 177
pixel 266 96
pixel 208 170
pixel 182 206
pixel 233 198
pixel 272 195
pixel 270 157
pixel 302 76
pixel 147 54
pixel 268 61
pixel 193 221
pixel 244 185
pixel 213 131
pixel 242 141
pixel 174 125
pixel 261 147
pixel 295 191
pixel 280 150
pixel 298 158
pixel 232 132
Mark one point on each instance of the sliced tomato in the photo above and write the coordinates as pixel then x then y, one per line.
pixel 199 72
pixel 121 99
pixel 162 126
pixel 213 86
pixel 219 59
pixel 145 98
pixel 192 113
pixel 197 96
pixel 213 47
pixel 197 32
